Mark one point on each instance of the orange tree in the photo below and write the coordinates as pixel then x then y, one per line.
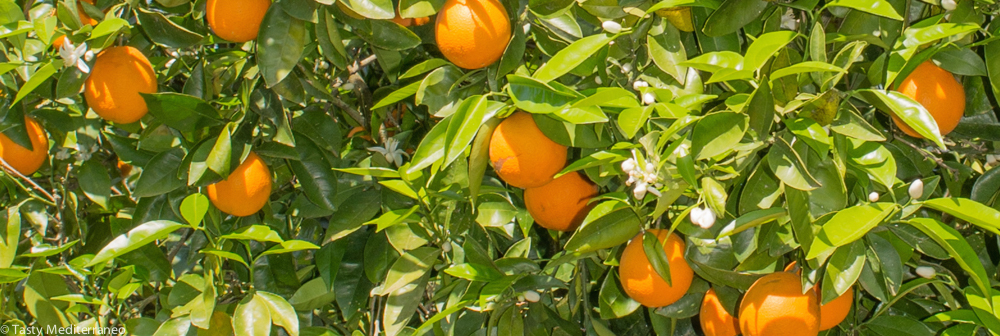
pixel 485 167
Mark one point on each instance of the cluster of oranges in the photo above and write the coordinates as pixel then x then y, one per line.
pixel 774 305
pixel 525 158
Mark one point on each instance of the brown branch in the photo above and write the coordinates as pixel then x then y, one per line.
pixel 177 248
pixel 10 170
pixel 928 155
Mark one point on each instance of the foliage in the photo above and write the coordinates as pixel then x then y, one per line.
pixel 385 217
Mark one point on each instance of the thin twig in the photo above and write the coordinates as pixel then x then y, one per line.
pixel 927 155
pixel 10 170
pixel 177 248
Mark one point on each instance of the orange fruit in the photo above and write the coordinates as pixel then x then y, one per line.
pixel 640 280
pixel 357 130
pixel 939 92
pixel 84 18
pixel 715 320
pixel 833 312
pixel 124 168
pixel 23 160
pixel 236 20
pixel 522 155
pixel 114 84
pixel 775 305
pixel 58 42
pixel 245 191
pixel 472 33
pixel 560 205
pixel 421 21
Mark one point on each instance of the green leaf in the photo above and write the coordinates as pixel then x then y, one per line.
pixel 431 148
pixel 252 318
pixel 474 272
pixel 632 120
pixel 409 268
pixel 614 303
pixel 761 110
pixel 469 117
pixel 806 67
pixel 667 51
pixel 260 233
pixel 957 246
pixel 877 7
pixel 969 211
pixel 717 133
pixel 314 173
pixel 134 239
pixel 282 313
pixel 750 220
pixel 572 56
pixel 95 182
pixel 873 158
pixel 40 76
pixel 282 41
pixel 789 167
pixel 372 9
pixel 657 256
pixel 765 46
pixel 849 225
pixel 370 171
pixel 609 230
pixel 11 275
pixel 842 269
pixel 908 110
pixel 715 195
pixel 987 187
pixel 733 15
pixel 290 246
pixel 165 32
pixel 183 112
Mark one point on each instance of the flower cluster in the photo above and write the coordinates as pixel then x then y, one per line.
pixel 703 217
pixel 646 179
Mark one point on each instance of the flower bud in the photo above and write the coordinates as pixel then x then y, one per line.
pixel 640 190
pixel 598 80
pixel 627 67
pixel 639 84
pixel 612 27
pixel 650 167
pixel 532 296
pixel 949 5
pixel 628 165
pixel 696 216
pixel 873 197
pixel 707 219
pixel 648 98
pixel 446 247
pixel 916 189
pixel 926 272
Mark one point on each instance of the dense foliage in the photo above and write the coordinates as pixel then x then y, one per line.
pixel 760 132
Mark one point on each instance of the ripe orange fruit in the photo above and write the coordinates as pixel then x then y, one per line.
pixel 58 42
pixel 775 305
pixel 114 84
pixel 236 20
pixel 245 191
pixel 20 158
pixel 640 280
pixel 124 168
pixel 715 320
pixel 939 92
pixel 560 205
pixel 522 155
pixel 472 33
pixel 833 312
pixel 84 18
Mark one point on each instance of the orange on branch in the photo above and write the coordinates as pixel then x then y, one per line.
pixel 236 20
pixel 26 161
pixel 562 204
pixel 640 280
pixel 715 320
pixel 939 92
pixel 522 155
pixel 245 191
pixel 84 18
pixel 833 312
pixel 472 33
pixel 114 84
pixel 775 305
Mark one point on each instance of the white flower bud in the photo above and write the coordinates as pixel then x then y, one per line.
pixel 648 98
pixel 949 5
pixel 650 167
pixel 612 27
pixel 707 219
pixel 926 272
pixel 446 247
pixel 598 80
pixel 916 189
pixel 627 67
pixel 628 165
pixel 991 159
pixel 873 197
pixel 682 151
pixel 640 190
pixel 650 179
pixel 696 216
pixel 532 296
pixel 631 179
pixel 639 84
pixel 348 86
